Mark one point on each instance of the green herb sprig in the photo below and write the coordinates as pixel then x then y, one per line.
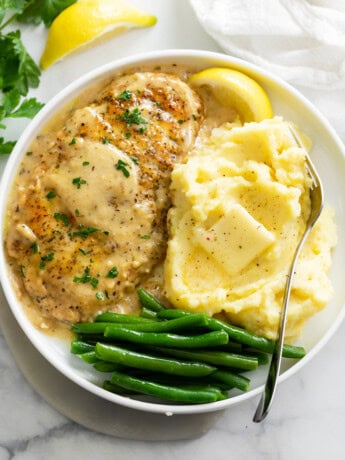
pixel 86 278
pixel 122 166
pixel 133 117
pixel 18 71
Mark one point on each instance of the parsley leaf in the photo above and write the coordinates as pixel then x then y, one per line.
pixel 17 68
pixel 78 182
pixel 27 109
pixel 6 147
pixel 63 217
pixel 15 6
pixel 132 117
pixel 125 95
pixel 50 195
pixel 83 231
pixel 86 278
pixel 112 273
pixel 18 71
pixel 43 10
pixel 122 166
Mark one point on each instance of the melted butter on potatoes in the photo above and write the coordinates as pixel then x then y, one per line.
pixel 241 202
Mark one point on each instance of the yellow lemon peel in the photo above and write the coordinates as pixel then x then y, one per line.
pixel 88 21
pixel 236 90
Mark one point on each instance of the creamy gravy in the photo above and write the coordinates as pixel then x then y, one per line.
pixel 82 233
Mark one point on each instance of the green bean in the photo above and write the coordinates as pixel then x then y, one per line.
pixel 240 335
pixel 89 357
pixel 111 317
pixel 104 366
pixel 92 339
pixel 118 355
pixel 165 392
pixel 210 339
pixel 147 313
pixel 232 347
pixel 172 313
pixel 178 324
pixel 89 328
pixel 99 328
pixel 216 358
pixel 149 301
pixel 78 347
pixel 178 381
pixel 107 385
pixel 253 340
pixel 262 357
pixel 204 387
pixel 232 379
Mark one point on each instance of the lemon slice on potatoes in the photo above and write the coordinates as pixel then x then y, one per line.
pixel 88 21
pixel 236 90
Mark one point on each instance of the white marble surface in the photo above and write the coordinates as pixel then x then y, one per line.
pixel 307 420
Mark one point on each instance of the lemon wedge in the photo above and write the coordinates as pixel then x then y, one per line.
pixel 88 21
pixel 236 90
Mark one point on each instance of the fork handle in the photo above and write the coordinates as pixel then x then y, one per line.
pixel 276 359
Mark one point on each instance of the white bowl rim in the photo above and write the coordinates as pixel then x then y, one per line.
pixel 7 178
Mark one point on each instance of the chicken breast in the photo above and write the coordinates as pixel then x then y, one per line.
pixel 88 223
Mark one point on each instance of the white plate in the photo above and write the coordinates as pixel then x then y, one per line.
pixel 328 154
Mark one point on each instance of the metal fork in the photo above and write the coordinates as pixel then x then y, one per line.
pixel 316 203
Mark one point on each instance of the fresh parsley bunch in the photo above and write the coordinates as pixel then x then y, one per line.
pixel 18 71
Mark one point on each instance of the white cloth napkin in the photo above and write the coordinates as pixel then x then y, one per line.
pixel 302 41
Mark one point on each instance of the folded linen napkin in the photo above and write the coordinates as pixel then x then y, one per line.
pixel 302 41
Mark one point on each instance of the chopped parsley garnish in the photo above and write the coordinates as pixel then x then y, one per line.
pixel 86 278
pixel 77 212
pixel 132 117
pixel 122 166
pixel 62 217
pixel 94 282
pixel 158 104
pixel 46 258
pixel 22 270
pixel 125 95
pixel 106 232
pixel 78 181
pixel 34 247
pixel 112 273
pixel 50 195
pixel 84 232
pixel 85 253
pixel 99 296
pixel 142 129
pixel 106 294
pixel 135 160
pixel 194 117
pixel 86 163
pixel 145 237
pixel 180 122
pixel 73 141
pixel 127 135
pixel 28 154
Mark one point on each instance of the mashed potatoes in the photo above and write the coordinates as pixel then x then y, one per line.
pixel 240 204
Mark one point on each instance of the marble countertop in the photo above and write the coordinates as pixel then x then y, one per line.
pixel 308 417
